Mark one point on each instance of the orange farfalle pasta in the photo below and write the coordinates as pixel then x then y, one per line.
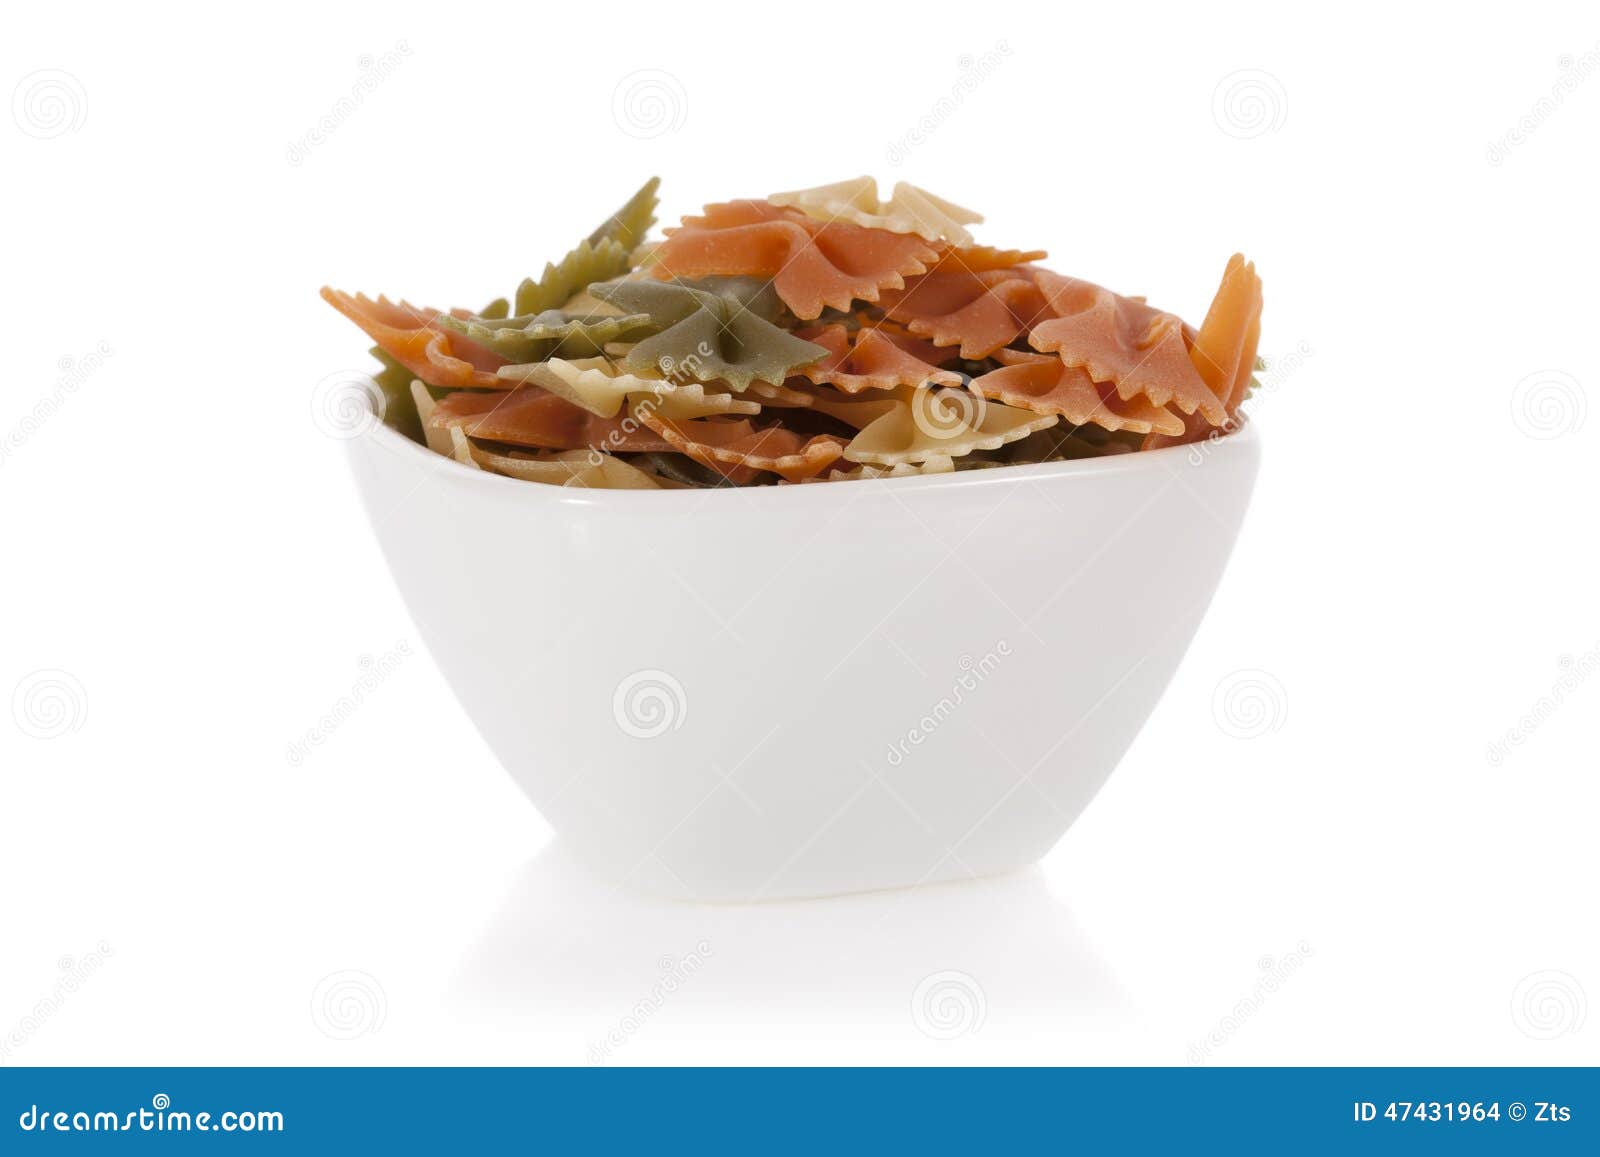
pixel 529 416
pixel 874 359
pixel 1224 349
pixel 780 397
pixel 984 258
pixel 737 449
pixel 813 265
pixel 1044 384
pixel 1121 340
pixel 980 312
pixel 412 337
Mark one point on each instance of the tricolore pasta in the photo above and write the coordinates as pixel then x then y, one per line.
pixel 820 335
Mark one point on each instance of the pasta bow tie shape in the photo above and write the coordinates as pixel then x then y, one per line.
pixel 828 334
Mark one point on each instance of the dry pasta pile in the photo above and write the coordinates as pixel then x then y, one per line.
pixel 821 335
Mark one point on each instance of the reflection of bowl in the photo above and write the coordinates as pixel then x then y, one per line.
pixel 802 690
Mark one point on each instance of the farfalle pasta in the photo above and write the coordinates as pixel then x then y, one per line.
pixel 825 335
pixel 874 357
pixel 719 329
pixel 1047 385
pixel 908 210
pixel 551 333
pixel 813 265
pixel 977 312
pixel 1121 340
pixel 602 388
pixel 923 423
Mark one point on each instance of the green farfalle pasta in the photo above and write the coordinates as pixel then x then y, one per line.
pixel 715 330
pixel 628 225
pixel 399 408
pixel 585 264
pixel 551 333
pixel 604 254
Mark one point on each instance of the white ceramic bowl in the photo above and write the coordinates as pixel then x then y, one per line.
pixel 802 690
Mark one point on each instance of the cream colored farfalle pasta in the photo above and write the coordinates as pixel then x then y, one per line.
pixel 585 469
pixel 909 210
pixel 601 388
pixel 922 423
pixel 936 465
pixel 437 438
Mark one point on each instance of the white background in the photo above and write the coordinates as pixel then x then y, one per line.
pixel 183 543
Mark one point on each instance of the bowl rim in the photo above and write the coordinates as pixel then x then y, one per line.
pixel 1241 440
